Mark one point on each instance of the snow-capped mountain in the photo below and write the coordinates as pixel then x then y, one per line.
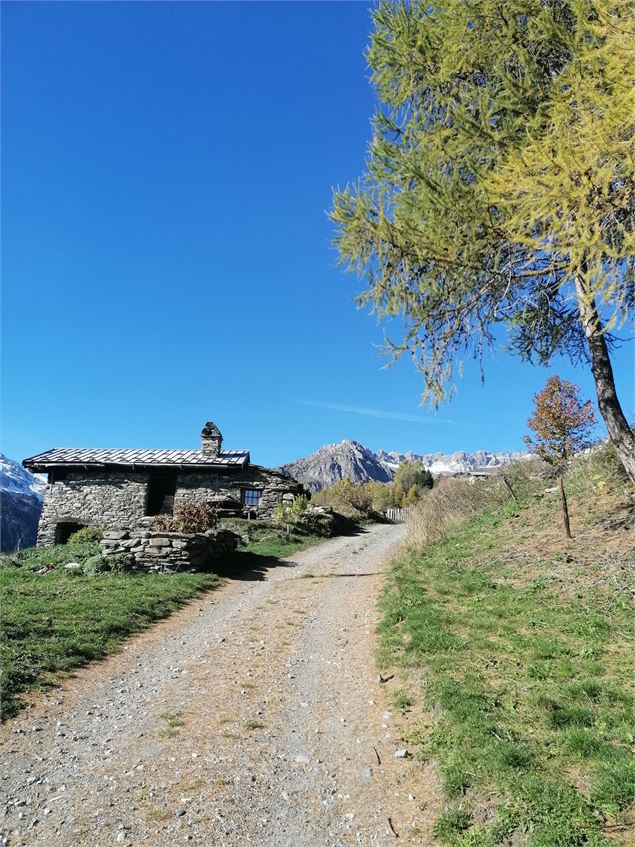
pixel 21 498
pixel 351 460
pixel 15 478
pixel 459 462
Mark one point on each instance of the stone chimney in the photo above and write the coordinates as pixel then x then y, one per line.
pixel 211 439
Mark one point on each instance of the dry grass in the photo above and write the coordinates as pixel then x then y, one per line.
pixel 452 502
pixel 455 501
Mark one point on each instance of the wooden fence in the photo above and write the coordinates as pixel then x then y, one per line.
pixel 398 515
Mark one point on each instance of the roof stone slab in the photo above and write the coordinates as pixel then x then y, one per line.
pixel 65 456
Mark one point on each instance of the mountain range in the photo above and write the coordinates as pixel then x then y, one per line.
pixel 351 460
pixel 21 498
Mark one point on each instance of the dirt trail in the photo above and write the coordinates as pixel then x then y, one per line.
pixel 250 717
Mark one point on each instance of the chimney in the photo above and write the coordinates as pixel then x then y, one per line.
pixel 211 439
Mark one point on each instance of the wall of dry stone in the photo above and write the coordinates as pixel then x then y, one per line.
pixel 168 551
pixel 203 487
pixel 107 498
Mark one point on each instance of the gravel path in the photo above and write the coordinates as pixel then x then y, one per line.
pixel 252 716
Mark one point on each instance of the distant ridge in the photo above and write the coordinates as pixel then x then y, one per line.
pixel 21 498
pixel 351 460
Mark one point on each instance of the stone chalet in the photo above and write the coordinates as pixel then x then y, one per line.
pixel 115 488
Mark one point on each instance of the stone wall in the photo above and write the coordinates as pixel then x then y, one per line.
pixel 99 498
pixel 217 485
pixel 116 499
pixel 168 551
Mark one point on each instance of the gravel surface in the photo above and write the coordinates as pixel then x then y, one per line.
pixel 253 716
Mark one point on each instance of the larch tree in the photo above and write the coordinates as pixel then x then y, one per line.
pixel 500 186
pixel 561 424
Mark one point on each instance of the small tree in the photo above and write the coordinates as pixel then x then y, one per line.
pixel 561 423
pixel 291 514
pixel 351 499
pixel 410 481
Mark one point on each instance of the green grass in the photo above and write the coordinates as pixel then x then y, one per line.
pixel 56 621
pixel 528 683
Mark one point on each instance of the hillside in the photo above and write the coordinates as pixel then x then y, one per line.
pixel 21 498
pixel 512 649
pixel 351 460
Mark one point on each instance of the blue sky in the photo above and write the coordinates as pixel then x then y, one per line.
pixel 167 257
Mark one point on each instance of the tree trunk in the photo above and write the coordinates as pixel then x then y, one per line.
pixel 510 489
pixel 619 431
pixel 565 509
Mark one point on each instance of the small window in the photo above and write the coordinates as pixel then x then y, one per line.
pixel 251 496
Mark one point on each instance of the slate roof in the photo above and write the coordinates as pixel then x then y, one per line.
pixel 95 457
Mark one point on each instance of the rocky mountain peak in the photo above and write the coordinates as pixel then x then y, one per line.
pixel 349 459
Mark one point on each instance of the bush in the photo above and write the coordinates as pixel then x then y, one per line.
pixel 115 563
pixel 190 517
pixel 290 514
pixel 86 534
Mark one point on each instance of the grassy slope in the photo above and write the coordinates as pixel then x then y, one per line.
pixel 526 648
pixel 54 622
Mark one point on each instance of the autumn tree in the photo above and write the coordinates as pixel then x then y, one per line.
pixel 500 187
pixel 561 424
pixel 410 482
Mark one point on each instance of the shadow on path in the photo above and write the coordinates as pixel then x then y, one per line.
pixel 250 567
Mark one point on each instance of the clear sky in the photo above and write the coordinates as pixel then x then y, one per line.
pixel 167 257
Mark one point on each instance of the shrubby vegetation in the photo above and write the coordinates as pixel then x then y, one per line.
pixel 86 534
pixel 366 501
pixel 189 517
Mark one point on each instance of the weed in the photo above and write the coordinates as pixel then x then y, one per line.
pixel 252 724
pixel 402 702
pixel 159 814
pixel 450 824
pixel 173 722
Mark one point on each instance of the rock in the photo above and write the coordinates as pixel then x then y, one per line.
pixel 402 754
pixel 115 534
pixel 73 567
pixel 301 759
